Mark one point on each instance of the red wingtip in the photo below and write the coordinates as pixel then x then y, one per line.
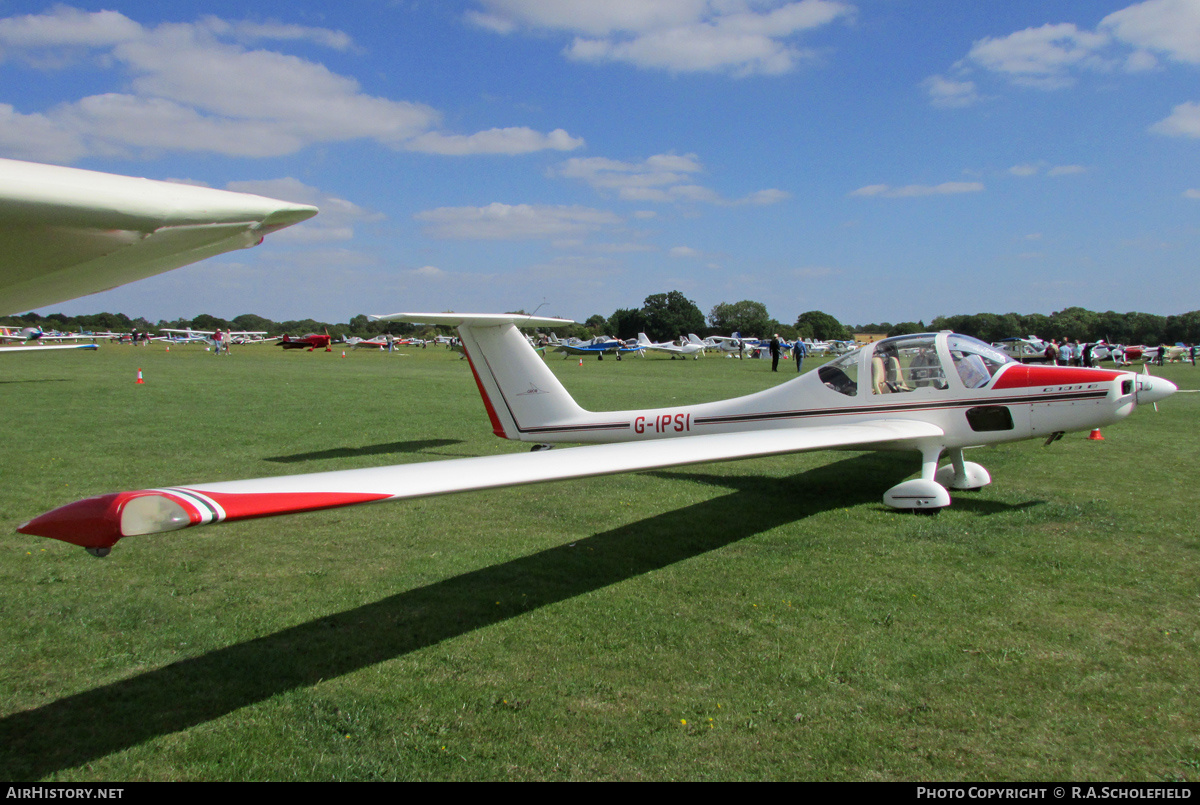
pixel 90 523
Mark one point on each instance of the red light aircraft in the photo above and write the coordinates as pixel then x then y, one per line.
pixel 934 394
pixel 310 342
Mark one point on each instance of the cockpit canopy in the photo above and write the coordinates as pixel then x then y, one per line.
pixel 915 363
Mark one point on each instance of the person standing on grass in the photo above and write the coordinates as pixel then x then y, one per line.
pixel 800 349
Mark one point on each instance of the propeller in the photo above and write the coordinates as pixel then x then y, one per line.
pixel 1146 371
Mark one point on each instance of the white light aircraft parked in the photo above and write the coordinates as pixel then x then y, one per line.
pixel 1025 350
pixel 817 348
pixel 729 344
pixel 37 340
pixel 378 342
pixel 185 336
pixel 190 336
pixel 688 349
pixel 933 393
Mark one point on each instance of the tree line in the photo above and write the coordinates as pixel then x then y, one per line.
pixel 667 316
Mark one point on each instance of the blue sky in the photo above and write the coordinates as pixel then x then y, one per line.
pixel 882 160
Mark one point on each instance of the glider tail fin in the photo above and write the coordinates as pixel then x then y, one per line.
pixel 520 392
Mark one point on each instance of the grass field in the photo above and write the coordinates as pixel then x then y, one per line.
pixel 757 620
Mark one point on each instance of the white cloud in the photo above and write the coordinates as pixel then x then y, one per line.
pixel 741 37
pixel 1052 56
pixel 1191 193
pixel 918 190
pixel 499 221
pixel 509 141
pixel 948 92
pixel 1184 121
pixel 1171 27
pixel 684 251
pixel 590 17
pixel 65 28
pixel 1040 57
pixel 199 87
pixel 1140 61
pixel 37 137
pixel 662 178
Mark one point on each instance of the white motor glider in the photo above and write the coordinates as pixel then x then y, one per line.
pixel 46 347
pixel 37 340
pixel 685 350
pixel 66 232
pixel 932 393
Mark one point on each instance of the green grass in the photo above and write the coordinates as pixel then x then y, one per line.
pixel 766 619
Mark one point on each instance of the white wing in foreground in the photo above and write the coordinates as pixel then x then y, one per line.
pixel 66 232
pixel 48 347
pixel 97 523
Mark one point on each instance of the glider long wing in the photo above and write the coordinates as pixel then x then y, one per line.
pixel 46 347
pixel 99 522
pixel 66 232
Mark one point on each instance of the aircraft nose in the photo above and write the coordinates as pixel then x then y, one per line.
pixel 1152 389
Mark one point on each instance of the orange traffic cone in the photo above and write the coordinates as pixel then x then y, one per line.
pixel 1095 436
pixel 343 353
pixel 139 380
pixel 168 347
pixel 581 361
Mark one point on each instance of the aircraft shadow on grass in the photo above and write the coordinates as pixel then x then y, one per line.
pixel 90 725
pixel 413 446
pixel 40 380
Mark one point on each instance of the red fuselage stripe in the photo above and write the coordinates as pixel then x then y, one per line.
pixel 1027 376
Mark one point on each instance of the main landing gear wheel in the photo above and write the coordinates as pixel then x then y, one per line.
pixel 930 493
pixel 918 495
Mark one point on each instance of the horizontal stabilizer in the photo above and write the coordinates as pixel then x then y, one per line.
pixel 518 390
pixel 473 319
